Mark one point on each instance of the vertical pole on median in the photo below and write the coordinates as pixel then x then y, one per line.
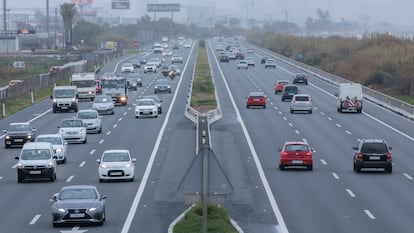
pixel 4 109
pixel 204 145
pixel 31 94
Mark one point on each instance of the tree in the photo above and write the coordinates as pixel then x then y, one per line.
pixel 323 22
pixel 68 11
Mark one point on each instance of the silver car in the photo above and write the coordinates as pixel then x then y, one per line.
pixel 301 102
pixel 58 143
pixel 104 104
pixel 78 204
pixel 91 120
pixel 73 130
pixel 157 100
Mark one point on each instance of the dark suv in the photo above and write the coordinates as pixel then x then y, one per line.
pixel 19 134
pixel 372 153
pixel 300 78
pixel 289 91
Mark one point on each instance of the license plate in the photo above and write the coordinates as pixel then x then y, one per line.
pixel 116 173
pixel 256 100
pixel 374 158
pixel 64 107
pixel 80 215
pixel 35 172
pixel 18 140
pixel 297 161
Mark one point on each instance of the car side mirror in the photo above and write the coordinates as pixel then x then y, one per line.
pixel 16 158
pixel 390 147
pixel 313 150
pixel 103 197
pixel 100 117
pixel 55 157
pixel 134 160
pixel 355 148
pixel 280 149
pixel 33 130
pixel 336 94
pixel 51 97
pixel 4 131
pixel 54 197
pixel 98 161
pixel 58 127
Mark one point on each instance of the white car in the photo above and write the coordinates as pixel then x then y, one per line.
pixel 187 45
pixel 242 64
pixel 116 164
pixel 177 58
pixel 73 130
pixel 301 102
pixel 146 108
pixel 150 67
pixel 250 61
pixel 167 53
pixel 156 60
pixel 91 120
pixel 127 68
pixel 104 104
pixel 59 145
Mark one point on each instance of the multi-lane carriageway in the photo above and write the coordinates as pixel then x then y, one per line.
pixel 331 198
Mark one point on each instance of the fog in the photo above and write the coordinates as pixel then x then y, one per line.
pixel 397 12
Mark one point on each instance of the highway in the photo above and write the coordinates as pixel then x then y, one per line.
pixel 263 199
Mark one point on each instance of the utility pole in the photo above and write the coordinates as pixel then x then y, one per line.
pixel 4 16
pixel 56 22
pixel 47 19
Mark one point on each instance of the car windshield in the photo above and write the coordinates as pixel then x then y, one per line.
pixel 64 93
pixel 87 115
pixel 53 140
pixel 374 148
pixel 35 154
pixel 291 89
pixel 302 98
pixel 72 123
pixel 145 102
pixel 284 82
pixel 127 65
pixel 102 99
pixel 115 157
pixel 296 147
pixel 80 193
pixel 19 127
pixel 162 81
pixel 156 98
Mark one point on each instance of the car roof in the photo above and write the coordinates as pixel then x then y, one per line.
pixel 87 110
pixel 256 93
pixel 20 123
pixel 279 81
pixel 116 150
pixel 49 135
pixel 296 143
pixel 373 140
pixel 304 95
pixel 79 186
pixel 35 145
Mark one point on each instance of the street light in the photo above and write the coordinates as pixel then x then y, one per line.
pixel 8 19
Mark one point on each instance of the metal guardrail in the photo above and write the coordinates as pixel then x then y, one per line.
pixel 389 102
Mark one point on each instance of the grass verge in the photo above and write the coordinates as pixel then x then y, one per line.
pixel 203 97
pixel 218 221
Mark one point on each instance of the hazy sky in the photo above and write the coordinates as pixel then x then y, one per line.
pixel 397 12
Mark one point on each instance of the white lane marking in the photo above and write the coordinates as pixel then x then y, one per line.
pixel 101 141
pixel 125 113
pixel 348 132
pixel 69 179
pixel 335 175
pixel 275 107
pixel 290 124
pixel 350 193
pixel 338 125
pixel 271 103
pixel 34 220
pixel 92 152
pixel 408 176
pixel 359 140
pixel 322 113
pixel 108 133
pixel 280 113
pixel 324 162
pixel 116 125
pixel 297 132
pixel 82 164
pixel 269 193
pixel 370 215
pixel 1 177
pixel 129 108
pixel 150 163
pixel 284 118
pixel 120 119
pixel 329 118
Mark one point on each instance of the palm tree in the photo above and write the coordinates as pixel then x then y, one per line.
pixel 68 11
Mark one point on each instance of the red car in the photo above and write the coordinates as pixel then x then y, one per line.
pixel 256 99
pixel 296 154
pixel 279 85
pixel 98 86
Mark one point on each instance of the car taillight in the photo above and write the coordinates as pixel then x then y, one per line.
pixel 389 157
pixel 359 156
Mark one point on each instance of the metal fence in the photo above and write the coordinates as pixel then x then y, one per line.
pixel 41 81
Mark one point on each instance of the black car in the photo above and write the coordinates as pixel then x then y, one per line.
pixel 263 60
pixel 289 91
pixel 142 60
pixel 19 134
pixel 300 78
pixel 372 153
pixel 133 81
pixel 78 204
pixel 162 85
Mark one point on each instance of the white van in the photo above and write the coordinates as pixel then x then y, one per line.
pixel 65 98
pixel 349 97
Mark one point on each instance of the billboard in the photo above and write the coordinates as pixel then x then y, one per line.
pixel 120 4
pixel 172 7
pixel 82 2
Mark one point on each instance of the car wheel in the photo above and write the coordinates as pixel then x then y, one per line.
pixel 388 169
pixel 132 179
pixel 101 180
pixel 281 167
pixel 100 130
pixel 264 106
pixel 310 111
pixel 247 106
pixel 7 145
pixel 84 141
pixel 64 160
pixel 56 224
pixel 310 167
pixel 160 111
pixel 291 111
pixel 53 177
pixel 357 168
pixel 20 179
pixel 54 110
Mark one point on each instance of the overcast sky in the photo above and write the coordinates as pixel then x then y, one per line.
pixel 396 12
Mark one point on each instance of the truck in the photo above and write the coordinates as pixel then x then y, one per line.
pixel 116 87
pixel 64 98
pixel 157 48
pixel 349 97
pixel 85 84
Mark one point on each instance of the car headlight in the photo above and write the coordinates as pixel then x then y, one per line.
pixel 74 100
pixel 29 136
pixel 20 165
pixel 156 87
pixel 7 137
pixel 49 165
pixel 103 165
pixel 92 209
pixel 82 130
pixel 61 210
pixel 58 150
pixel 123 98
pixel 128 165
pixel 62 131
